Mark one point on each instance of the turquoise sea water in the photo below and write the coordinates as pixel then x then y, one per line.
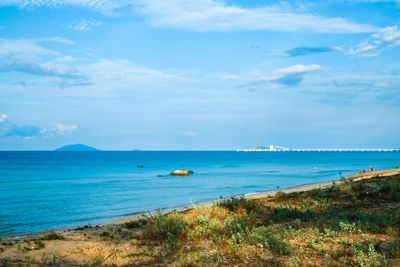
pixel 55 190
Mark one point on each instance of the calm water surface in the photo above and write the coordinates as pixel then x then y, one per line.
pixel 54 190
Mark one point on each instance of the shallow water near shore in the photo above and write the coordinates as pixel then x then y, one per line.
pixel 55 190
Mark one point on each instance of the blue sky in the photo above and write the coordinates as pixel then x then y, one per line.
pixel 199 74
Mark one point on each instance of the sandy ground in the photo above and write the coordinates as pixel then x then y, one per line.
pixel 84 247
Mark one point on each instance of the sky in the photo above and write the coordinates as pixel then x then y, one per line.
pixel 199 74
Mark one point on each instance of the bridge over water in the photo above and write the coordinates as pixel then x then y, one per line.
pixel 273 148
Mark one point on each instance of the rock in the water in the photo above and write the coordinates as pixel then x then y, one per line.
pixel 140 166
pixel 190 172
pixel 182 172
pixel 159 175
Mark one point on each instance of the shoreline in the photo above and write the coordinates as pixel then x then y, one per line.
pixel 251 195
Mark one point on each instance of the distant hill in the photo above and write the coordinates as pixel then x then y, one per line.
pixel 77 147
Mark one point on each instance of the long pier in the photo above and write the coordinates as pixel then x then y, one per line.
pixel 273 148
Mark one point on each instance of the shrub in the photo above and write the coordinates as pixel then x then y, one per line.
pixel 371 258
pixel 106 235
pixel 264 238
pixel 390 189
pixel 165 227
pixel 135 224
pixel 234 203
pixel 52 236
pixel 38 244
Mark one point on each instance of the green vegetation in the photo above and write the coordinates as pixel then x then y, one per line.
pixel 51 236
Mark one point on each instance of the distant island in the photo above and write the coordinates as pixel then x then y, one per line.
pixel 77 147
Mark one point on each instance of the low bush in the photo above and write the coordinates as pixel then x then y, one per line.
pixel 235 203
pixel 264 238
pixel 39 244
pixel 165 227
pixel 52 236
pixel 135 224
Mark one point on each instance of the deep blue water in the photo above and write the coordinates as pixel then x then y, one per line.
pixel 55 190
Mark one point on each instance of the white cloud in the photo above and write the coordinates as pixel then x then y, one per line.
pixel 3 117
pixel 65 59
pixel 44 69
pixel 212 15
pixel 289 76
pixel 208 15
pixel 9 129
pixel 58 129
pixel 123 74
pixel 25 55
pixel 296 69
pixel 375 1
pixel 108 7
pixel 26 48
pixel 30 57
pixel 388 37
pixel 61 129
pixel 29 48
pixel 55 40
pixel 84 25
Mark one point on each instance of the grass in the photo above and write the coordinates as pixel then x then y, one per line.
pixel 347 224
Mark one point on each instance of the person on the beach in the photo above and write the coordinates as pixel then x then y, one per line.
pixel 371 169
pixel 363 170
pixel 397 167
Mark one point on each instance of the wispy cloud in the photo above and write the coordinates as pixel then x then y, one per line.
pixel 209 15
pixel 54 40
pixel 293 75
pixel 26 48
pixel 9 129
pixel 59 129
pixel 212 15
pixel 307 50
pixel 98 5
pixel 290 76
pixel 125 74
pixel 29 48
pixel 25 55
pixel 29 56
pixel 45 69
pixel 84 25
pixel 3 117
pixel 386 38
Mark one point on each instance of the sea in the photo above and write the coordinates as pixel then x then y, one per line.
pixel 54 190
